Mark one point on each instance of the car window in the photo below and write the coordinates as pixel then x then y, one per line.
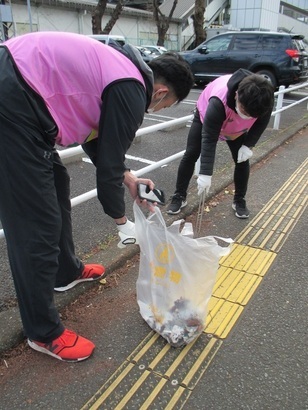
pixel 153 50
pixel 273 42
pixel 219 43
pixel 245 42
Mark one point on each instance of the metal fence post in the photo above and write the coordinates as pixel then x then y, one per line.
pixel 278 107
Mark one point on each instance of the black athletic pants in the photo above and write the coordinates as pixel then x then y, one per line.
pixel 192 153
pixel 35 208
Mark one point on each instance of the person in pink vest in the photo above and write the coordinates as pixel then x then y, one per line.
pixel 233 108
pixel 65 88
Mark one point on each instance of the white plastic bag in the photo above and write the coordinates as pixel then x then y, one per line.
pixel 176 276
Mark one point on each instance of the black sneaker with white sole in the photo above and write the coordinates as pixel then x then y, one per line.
pixel 240 208
pixel 177 203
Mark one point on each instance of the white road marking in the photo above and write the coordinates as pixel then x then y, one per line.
pixel 162 116
pixel 145 161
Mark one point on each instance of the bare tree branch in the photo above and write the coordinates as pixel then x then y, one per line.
pixel 162 22
pixel 98 14
pixel 114 17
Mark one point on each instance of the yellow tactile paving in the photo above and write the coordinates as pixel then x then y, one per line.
pixel 173 363
pixel 270 228
pixel 221 317
pixel 134 386
pixel 236 286
pixel 248 259
pixel 155 375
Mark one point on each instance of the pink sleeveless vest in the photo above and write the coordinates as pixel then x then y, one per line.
pixel 70 72
pixel 234 125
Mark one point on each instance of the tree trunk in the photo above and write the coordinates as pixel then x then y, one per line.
pixel 98 14
pixel 114 17
pixel 198 21
pixel 162 22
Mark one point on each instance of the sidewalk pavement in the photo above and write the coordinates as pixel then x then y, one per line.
pixel 113 258
pixel 253 352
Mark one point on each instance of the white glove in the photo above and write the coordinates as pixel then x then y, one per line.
pixel 244 153
pixel 204 183
pixel 127 234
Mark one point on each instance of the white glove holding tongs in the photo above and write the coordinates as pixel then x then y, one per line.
pixel 204 183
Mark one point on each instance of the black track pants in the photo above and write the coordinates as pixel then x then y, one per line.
pixel 241 170
pixel 35 208
pixel 192 153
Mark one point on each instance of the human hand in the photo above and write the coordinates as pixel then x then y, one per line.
pixel 127 234
pixel 204 183
pixel 131 181
pixel 244 153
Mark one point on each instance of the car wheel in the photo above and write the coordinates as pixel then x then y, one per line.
pixel 269 76
pixel 200 83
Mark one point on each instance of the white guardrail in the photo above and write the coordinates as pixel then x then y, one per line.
pixel 69 152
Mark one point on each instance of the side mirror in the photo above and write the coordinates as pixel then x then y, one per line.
pixel 203 50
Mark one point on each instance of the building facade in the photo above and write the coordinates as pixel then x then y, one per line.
pixel 138 26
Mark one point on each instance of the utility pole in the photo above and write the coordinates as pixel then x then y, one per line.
pixel 30 14
pixel 3 28
pixel 6 20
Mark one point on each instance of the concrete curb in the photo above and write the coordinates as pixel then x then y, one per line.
pixel 113 258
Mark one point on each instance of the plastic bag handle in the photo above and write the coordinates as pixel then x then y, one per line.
pixel 224 251
pixel 157 213
pixel 227 240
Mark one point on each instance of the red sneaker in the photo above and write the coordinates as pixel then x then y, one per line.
pixel 90 272
pixel 68 347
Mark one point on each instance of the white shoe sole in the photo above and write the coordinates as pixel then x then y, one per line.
pixel 41 349
pixel 237 215
pixel 177 212
pixel 75 282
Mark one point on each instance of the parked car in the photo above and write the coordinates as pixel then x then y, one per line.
pixel 280 57
pixel 105 38
pixel 158 50
pixel 147 56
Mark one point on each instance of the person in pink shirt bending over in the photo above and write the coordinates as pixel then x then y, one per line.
pixel 64 88
pixel 234 108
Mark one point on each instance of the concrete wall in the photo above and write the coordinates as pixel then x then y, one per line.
pixel 264 15
pixel 137 30
pixel 46 19
pixel 294 25
pixel 257 14
pixel 302 4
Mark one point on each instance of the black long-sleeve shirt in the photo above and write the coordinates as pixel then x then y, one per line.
pixel 213 120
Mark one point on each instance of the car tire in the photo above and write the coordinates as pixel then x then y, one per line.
pixel 200 83
pixel 269 75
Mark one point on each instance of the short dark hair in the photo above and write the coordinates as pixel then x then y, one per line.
pixel 256 94
pixel 173 71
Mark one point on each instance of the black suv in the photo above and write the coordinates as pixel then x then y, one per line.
pixel 280 57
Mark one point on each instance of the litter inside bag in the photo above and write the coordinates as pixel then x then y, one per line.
pixel 182 323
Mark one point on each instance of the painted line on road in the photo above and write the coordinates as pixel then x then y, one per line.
pixel 155 375
pixel 162 116
pixel 139 159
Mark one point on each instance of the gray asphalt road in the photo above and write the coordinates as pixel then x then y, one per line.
pixel 92 228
